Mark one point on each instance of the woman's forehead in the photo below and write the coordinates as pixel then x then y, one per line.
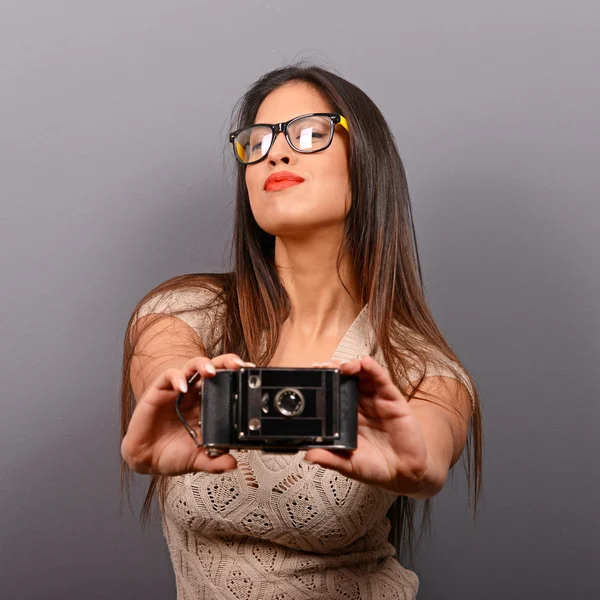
pixel 289 101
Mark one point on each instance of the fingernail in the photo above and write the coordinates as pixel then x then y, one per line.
pixel 211 368
pixel 183 386
pixel 249 364
pixel 343 361
pixel 238 361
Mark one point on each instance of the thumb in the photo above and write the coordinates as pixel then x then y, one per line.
pixel 220 464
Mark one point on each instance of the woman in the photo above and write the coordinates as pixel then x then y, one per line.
pixel 326 272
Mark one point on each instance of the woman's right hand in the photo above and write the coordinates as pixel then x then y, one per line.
pixel 156 441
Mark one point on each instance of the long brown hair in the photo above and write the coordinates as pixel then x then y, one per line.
pixel 379 238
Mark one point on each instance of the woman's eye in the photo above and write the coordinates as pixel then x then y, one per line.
pixel 315 135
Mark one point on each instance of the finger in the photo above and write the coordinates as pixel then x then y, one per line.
pixel 350 367
pixel 340 462
pixel 195 365
pixel 203 462
pixel 201 365
pixel 178 381
pixel 207 367
pixel 230 361
pixel 373 373
pixel 171 379
pixel 330 364
pixel 373 378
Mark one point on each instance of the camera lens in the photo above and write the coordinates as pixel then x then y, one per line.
pixel 289 402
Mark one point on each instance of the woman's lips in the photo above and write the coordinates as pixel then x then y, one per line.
pixel 281 180
pixel 275 186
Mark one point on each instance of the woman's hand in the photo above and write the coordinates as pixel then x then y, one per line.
pixel 156 442
pixel 391 450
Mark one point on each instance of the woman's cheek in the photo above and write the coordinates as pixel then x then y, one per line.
pixel 252 181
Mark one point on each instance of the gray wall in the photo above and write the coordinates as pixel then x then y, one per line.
pixel 113 118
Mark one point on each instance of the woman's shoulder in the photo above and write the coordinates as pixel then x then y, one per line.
pixel 198 299
pixel 423 358
pixel 187 291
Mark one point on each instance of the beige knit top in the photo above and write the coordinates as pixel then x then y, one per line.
pixel 277 527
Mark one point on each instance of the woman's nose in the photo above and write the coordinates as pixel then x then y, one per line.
pixel 280 151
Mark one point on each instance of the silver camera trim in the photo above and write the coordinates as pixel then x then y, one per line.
pixel 285 412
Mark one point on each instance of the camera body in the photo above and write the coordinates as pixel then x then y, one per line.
pixel 279 410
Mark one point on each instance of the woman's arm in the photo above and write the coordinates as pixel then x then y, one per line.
pixel 405 447
pixel 443 417
pixel 166 342
pixel 156 442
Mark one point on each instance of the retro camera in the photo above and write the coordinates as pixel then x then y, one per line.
pixel 279 410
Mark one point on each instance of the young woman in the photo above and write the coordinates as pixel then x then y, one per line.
pixel 326 272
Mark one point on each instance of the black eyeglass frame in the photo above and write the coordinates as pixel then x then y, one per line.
pixel 277 128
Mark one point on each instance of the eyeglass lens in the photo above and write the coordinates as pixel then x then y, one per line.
pixel 308 134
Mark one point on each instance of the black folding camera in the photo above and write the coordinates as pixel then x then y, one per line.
pixel 279 410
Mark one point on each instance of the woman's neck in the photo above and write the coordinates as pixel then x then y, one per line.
pixel 308 271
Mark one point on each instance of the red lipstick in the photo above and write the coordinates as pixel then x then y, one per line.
pixel 281 180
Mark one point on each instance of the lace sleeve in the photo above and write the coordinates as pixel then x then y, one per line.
pixel 195 306
pixel 444 367
pixel 436 365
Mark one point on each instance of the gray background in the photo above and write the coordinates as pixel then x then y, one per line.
pixel 113 118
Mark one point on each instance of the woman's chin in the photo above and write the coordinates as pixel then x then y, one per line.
pixel 301 228
pixel 290 229
pixel 297 219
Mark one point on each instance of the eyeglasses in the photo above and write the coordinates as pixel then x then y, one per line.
pixel 305 134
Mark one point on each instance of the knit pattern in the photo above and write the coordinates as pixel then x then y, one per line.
pixel 279 528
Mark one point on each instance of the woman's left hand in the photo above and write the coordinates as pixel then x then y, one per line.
pixel 391 450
